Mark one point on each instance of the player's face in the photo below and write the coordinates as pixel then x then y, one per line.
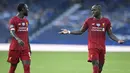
pixel 95 11
pixel 25 10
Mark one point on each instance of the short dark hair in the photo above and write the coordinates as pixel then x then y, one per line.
pixel 98 6
pixel 20 6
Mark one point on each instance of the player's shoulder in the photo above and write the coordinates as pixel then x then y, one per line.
pixel 105 18
pixel 26 19
pixel 89 19
pixel 13 18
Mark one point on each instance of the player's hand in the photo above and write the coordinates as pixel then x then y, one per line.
pixel 20 41
pixel 120 41
pixel 30 52
pixel 64 31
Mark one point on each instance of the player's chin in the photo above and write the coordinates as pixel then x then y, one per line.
pixel 93 15
pixel 26 14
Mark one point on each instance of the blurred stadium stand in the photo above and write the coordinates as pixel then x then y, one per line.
pixel 44 12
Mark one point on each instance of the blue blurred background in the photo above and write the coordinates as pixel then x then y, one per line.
pixel 47 17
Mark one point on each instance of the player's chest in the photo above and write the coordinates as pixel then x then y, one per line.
pixel 99 26
pixel 22 26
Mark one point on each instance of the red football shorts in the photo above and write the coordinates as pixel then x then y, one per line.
pixel 15 55
pixel 96 54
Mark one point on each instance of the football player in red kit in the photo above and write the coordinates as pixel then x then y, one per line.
pixel 97 26
pixel 19 46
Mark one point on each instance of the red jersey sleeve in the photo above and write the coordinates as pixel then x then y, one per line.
pixel 12 24
pixel 108 25
pixel 85 25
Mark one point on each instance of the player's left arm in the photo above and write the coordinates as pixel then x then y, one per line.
pixel 28 39
pixel 113 37
pixel 29 46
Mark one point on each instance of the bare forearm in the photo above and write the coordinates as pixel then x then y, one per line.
pixel 29 45
pixel 13 34
pixel 65 31
pixel 76 32
pixel 29 48
pixel 113 37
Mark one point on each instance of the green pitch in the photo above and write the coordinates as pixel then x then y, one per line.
pixel 69 62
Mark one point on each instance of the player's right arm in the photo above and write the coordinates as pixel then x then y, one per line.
pixel 12 28
pixel 79 32
pixel 12 33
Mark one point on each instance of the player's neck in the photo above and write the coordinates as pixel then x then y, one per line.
pixel 98 17
pixel 20 15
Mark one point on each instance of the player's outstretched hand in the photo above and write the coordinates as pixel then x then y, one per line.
pixel 64 31
pixel 20 42
pixel 120 41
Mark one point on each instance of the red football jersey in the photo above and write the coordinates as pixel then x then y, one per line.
pixel 97 31
pixel 21 30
